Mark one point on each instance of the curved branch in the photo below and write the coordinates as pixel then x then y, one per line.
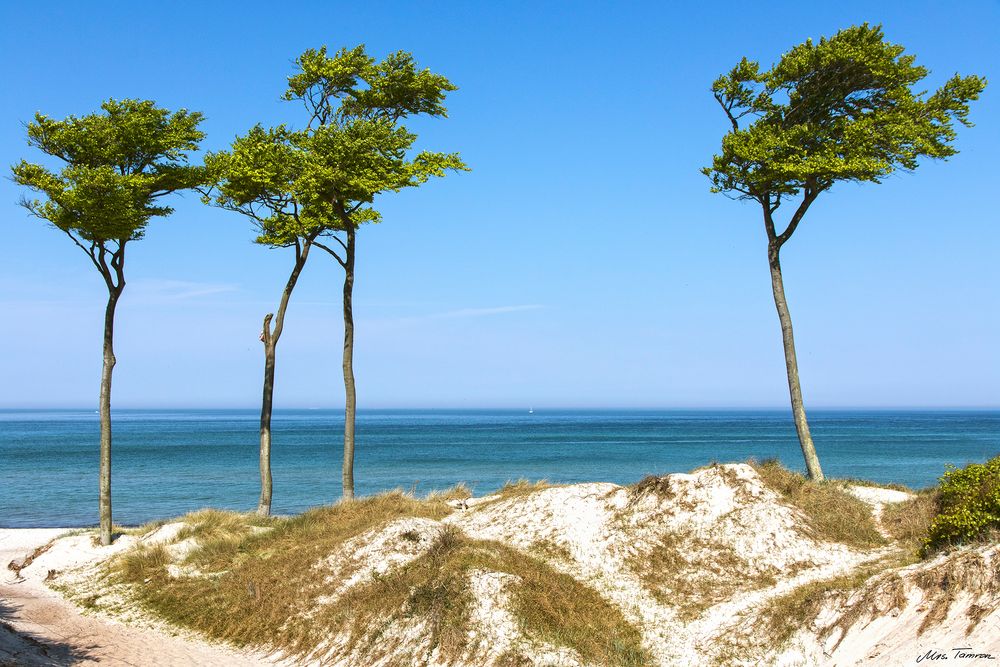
pixel 332 252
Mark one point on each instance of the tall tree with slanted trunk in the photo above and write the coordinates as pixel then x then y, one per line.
pixel 257 178
pixel 315 187
pixel 359 150
pixel 117 165
pixel 842 109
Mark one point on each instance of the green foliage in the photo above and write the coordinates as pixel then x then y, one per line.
pixel 117 166
pixel 300 184
pixel 969 505
pixel 842 109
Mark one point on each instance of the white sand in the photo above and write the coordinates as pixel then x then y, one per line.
pixel 40 628
pixel 595 533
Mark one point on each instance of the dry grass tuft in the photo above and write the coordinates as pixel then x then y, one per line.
pixel 884 591
pixel 551 550
pixel 458 492
pixel 785 615
pixel 833 514
pixel 942 584
pixel 510 490
pixel 692 574
pixel 909 521
pixel 652 485
pixel 522 487
pixel 143 563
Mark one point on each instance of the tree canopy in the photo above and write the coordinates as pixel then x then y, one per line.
pixel 117 166
pixel 324 177
pixel 842 109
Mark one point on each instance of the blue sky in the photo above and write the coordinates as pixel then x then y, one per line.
pixel 582 263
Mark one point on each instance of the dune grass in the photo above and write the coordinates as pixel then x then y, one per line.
pixel 521 488
pixel 833 514
pixel 548 605
pixel 260 583
pixel 691 574
pixel 267 583
pixel 798 609
pixel 909 521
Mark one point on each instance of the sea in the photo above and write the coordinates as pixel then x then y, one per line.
pixel 169 462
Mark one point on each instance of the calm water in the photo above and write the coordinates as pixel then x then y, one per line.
pixel 170 462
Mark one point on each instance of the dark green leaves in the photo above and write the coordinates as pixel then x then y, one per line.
pixel 840 109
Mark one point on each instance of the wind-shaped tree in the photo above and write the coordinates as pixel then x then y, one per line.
pixel 117 167
pixel 316 186
pixel 257 177
pixel 842 109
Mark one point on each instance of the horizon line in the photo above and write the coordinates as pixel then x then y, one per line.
pixel 525 407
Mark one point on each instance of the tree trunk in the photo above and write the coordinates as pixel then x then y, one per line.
pixel 792 366
pixel 349 389
pixel 270 340
pixel 264 504
pixel 105 410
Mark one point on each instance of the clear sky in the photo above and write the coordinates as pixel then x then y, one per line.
pixel 582 263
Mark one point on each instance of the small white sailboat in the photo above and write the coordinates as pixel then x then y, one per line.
pixel 531 411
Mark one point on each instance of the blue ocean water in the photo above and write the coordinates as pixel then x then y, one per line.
pixel 170 462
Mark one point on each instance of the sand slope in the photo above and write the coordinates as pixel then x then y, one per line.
pixel 738 546
pixel 39 627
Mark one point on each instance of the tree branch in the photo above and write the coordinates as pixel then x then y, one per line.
pixel 728 109
pixel 90 252
pixel 334 254
pixel 808 198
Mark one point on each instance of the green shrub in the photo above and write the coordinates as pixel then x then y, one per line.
pixel 969 505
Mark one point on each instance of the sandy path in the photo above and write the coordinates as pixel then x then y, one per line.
pixel 38 627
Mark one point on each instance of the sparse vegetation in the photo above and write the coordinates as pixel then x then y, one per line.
pixel 255 581
pixel 279 584
pixel 832 513
pixel 692 574
pixel 521 487
pixel 516 489
pixel 653 484
pixel 908 522
pixel 549 606
pixel 264 580
pixel 458 492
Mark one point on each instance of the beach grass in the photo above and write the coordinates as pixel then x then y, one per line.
pixel 269 583
pixel 833 514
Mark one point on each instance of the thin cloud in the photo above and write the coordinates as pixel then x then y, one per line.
pixel 462 313
pixel 482 312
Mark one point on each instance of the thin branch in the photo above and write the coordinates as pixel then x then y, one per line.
pixel 103 267
pixel 334 254
pixel 808 197
pixel 342 244
pixel 728 108
pixel 90 252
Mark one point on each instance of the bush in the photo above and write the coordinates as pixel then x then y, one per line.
pixel 969 505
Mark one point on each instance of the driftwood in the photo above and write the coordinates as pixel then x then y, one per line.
pixel 19 564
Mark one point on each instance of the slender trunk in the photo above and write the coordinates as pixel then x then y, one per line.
pixel 264 504
pixel 792 366
pixel 349 390
pixel 105 410
pixel 270 339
